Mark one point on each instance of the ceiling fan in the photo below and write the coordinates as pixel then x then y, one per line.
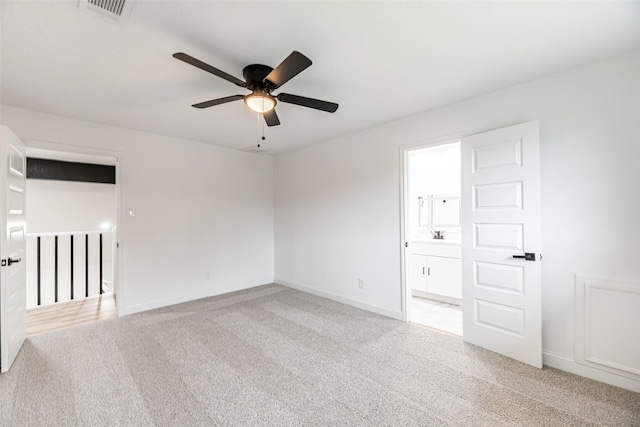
pixel 261 80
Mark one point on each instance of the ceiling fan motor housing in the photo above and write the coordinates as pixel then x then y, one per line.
pixel 255 75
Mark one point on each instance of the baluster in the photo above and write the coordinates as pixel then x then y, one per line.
pixel 100 282
pixel 72 266
pixel 55 272
pixel 86 265
pixel 39 272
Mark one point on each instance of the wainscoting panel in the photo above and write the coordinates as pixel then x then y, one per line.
pixel 607 315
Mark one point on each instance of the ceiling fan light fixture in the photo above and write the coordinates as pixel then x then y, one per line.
pixel 260 102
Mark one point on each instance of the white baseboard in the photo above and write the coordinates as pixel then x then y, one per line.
pixel 344 300
pixel 569 365
pixel 204 293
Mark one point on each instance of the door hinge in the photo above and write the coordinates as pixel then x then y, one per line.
pixel 406 244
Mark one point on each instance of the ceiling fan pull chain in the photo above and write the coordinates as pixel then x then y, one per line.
pixel 260 126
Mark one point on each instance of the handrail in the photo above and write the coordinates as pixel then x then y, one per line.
pixel 68 233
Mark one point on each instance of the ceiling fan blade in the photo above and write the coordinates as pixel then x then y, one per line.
pixel 218 101
pixel 271 118
pixel 208 68
pixel 329 107
pixel 288 69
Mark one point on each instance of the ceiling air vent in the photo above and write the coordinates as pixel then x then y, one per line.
pixel 112 6
pixel 114 9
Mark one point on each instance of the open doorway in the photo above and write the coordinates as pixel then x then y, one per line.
pixel 433 230
pixel 71 201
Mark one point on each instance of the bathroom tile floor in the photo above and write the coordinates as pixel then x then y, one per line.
pixel 437 315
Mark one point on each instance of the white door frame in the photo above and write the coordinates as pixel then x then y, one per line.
pixel 118 287
pixel 406 237
pixel 405 229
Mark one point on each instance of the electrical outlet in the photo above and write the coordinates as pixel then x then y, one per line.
pixel 361 283
pixel 207 275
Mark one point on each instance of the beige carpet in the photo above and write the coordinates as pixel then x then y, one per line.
pixel 274 356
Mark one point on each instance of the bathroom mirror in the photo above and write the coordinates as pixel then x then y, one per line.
pixel 439 210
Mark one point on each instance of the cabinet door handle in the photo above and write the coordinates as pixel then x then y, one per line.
pixel 422 270
pixel 429 271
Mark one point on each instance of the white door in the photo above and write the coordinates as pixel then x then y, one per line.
pixel 500 220
pixel 13 316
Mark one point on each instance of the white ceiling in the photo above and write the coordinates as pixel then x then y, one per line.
pixel 379 60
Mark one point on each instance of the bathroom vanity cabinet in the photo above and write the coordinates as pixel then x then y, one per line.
pixel 436 272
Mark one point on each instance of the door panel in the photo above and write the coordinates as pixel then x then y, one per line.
pixel 501 218
pixel 498 196
pixel 508 237
pixel 501 317
pixel 12 247
pixel 492 156
pixel 509 278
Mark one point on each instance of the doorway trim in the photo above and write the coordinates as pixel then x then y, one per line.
pixel 118 287
pixel 405 234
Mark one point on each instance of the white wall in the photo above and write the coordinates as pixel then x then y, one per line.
pixel 435 170
pixel 64 206
pixel 337 204
pixel 198 208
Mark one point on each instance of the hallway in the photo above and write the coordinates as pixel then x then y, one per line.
pixel 64 315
